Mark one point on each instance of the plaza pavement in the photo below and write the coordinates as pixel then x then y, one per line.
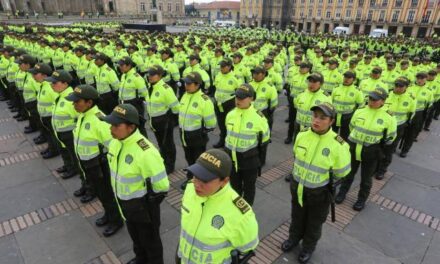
pixel 42 223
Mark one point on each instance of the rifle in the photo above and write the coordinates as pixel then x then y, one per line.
pixel 332 188
pixel 239 258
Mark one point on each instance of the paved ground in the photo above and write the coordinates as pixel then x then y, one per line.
pixel 41 222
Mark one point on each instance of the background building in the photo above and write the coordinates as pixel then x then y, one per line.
pixel 170 9
pixel 410 17
pixel 219 10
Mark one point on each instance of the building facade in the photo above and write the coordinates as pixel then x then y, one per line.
pixel 410 17
pixel 169 9
pixel 219 10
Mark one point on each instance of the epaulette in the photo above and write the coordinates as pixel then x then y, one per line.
pixel 340 139
pixel 304 129
pixel 166 86
pixel 137 75
pixel 389 112
pixel 108 68
pixel 204 96
pixel 143 144
pixel 260 113
pixel 241 204
pixel 99 115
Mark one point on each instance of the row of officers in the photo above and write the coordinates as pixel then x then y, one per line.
pixel 129 176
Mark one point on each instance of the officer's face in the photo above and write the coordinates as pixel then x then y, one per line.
pixel 303 70
pixel 399 89
pixel 191 87
pixel 431 77
pixel 348 81
pixel 124 68
pixel 164 56
pixel 404 66
pixel 82 105
pixel 225 69
pixel 333 66
pixel 243 103
pixel 39 77
pixel 58 87
pixel 236 60
pixel 314 86
pixel 258 77
pixel 320 122
pixel 24 66
pixel 154 78
pixel 193 62
pixel 99 62
pixel 121 131
pixel 421 81
pixel 204 189
pixel 374 103
pixel 375 75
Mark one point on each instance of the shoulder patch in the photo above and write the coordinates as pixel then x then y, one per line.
pixel 241 204
pixel 99 115
pixel 340 139
pixel 204 96
pixel 143 144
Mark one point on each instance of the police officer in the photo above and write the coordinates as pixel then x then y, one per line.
pixel 402 105
pixel 139 182
pixel 91 135
pixel 107 83
pixel 64 119
pixel 371 129
pixel 45 103
pixel 173 75
pixel 225 85
pixel 318 152
pixel 346 98
pixel 214 215
pixel 196 118
pixel 133 89
pixel 162 105
pixel 22 78
pixel 28 92
pixel 247 137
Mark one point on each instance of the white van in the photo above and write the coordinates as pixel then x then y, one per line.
pixel 341 31
pixel 379 33
pixel 224 23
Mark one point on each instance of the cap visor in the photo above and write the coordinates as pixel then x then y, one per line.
pixel 241 95
pixel 72 97
pixel 33 71
pixel 188 80
pixel 324 110
pixel 375 96
pixel 201 173
pixel 112 120
pixel 50 79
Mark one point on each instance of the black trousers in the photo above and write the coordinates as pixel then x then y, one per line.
pixel 108 102
pixel 138 104
pixel 21 109
pixel 98 179
pixel 293 128
pixel 243 182
pixel 4 88
pixel 14 98
pixel 390 149
pixel 437 109
pixel 417 123
pixel 193 152
pixel 307 220
pixel 429 116
pixel 48 132
pixel 370 157
pixel 68 152
pixel 165 139
pixel 221 117
pixel 344 129
pixel 34 117
pixel 143 223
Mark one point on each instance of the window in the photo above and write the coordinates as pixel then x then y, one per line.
pixel 384 3
pixel 177 7
pixel 398 3
pixel 425 18
pixel 350 2
pixel 348 13
pixel 382 16
pixel 395 17
pixel 340 1
pixel 359 14
pixel 328 14
pixel 310 13
pixel 370 15
pixel 410 17
pixel 160 6
pixel 338 13
pixel 330 1
pixel 414 3
pixel 372 3
pixel 311 1
pixel 143 7
pixel 169 7
pixel 303 1
pixel 318 14
pixel 361 3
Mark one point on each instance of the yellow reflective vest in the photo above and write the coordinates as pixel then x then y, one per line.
pixel 306 100
pixel 63 114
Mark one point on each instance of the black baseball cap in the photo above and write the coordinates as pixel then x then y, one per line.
pixel 41 68
pixel 123 113
pixel 237 54
pixel 59 76
pixel 326 108
pixel 376 70
pixel 305 65
pixel 193 77
pixel 225 62
pixel 268 60
pixel 101 56
pixel 315 77
pixel 400 82
pixel 84 91
pixel 156 70
pixel 127 61
pixel 211 164
pixel 421 75
pixel 26 59
pixel 244 91
pixel 350 74
pixel 194 57
pixel 378 94
pixel 258 69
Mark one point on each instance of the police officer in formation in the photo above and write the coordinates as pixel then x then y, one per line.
pixel 319 154
pixel 139 182
pixel 196 119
